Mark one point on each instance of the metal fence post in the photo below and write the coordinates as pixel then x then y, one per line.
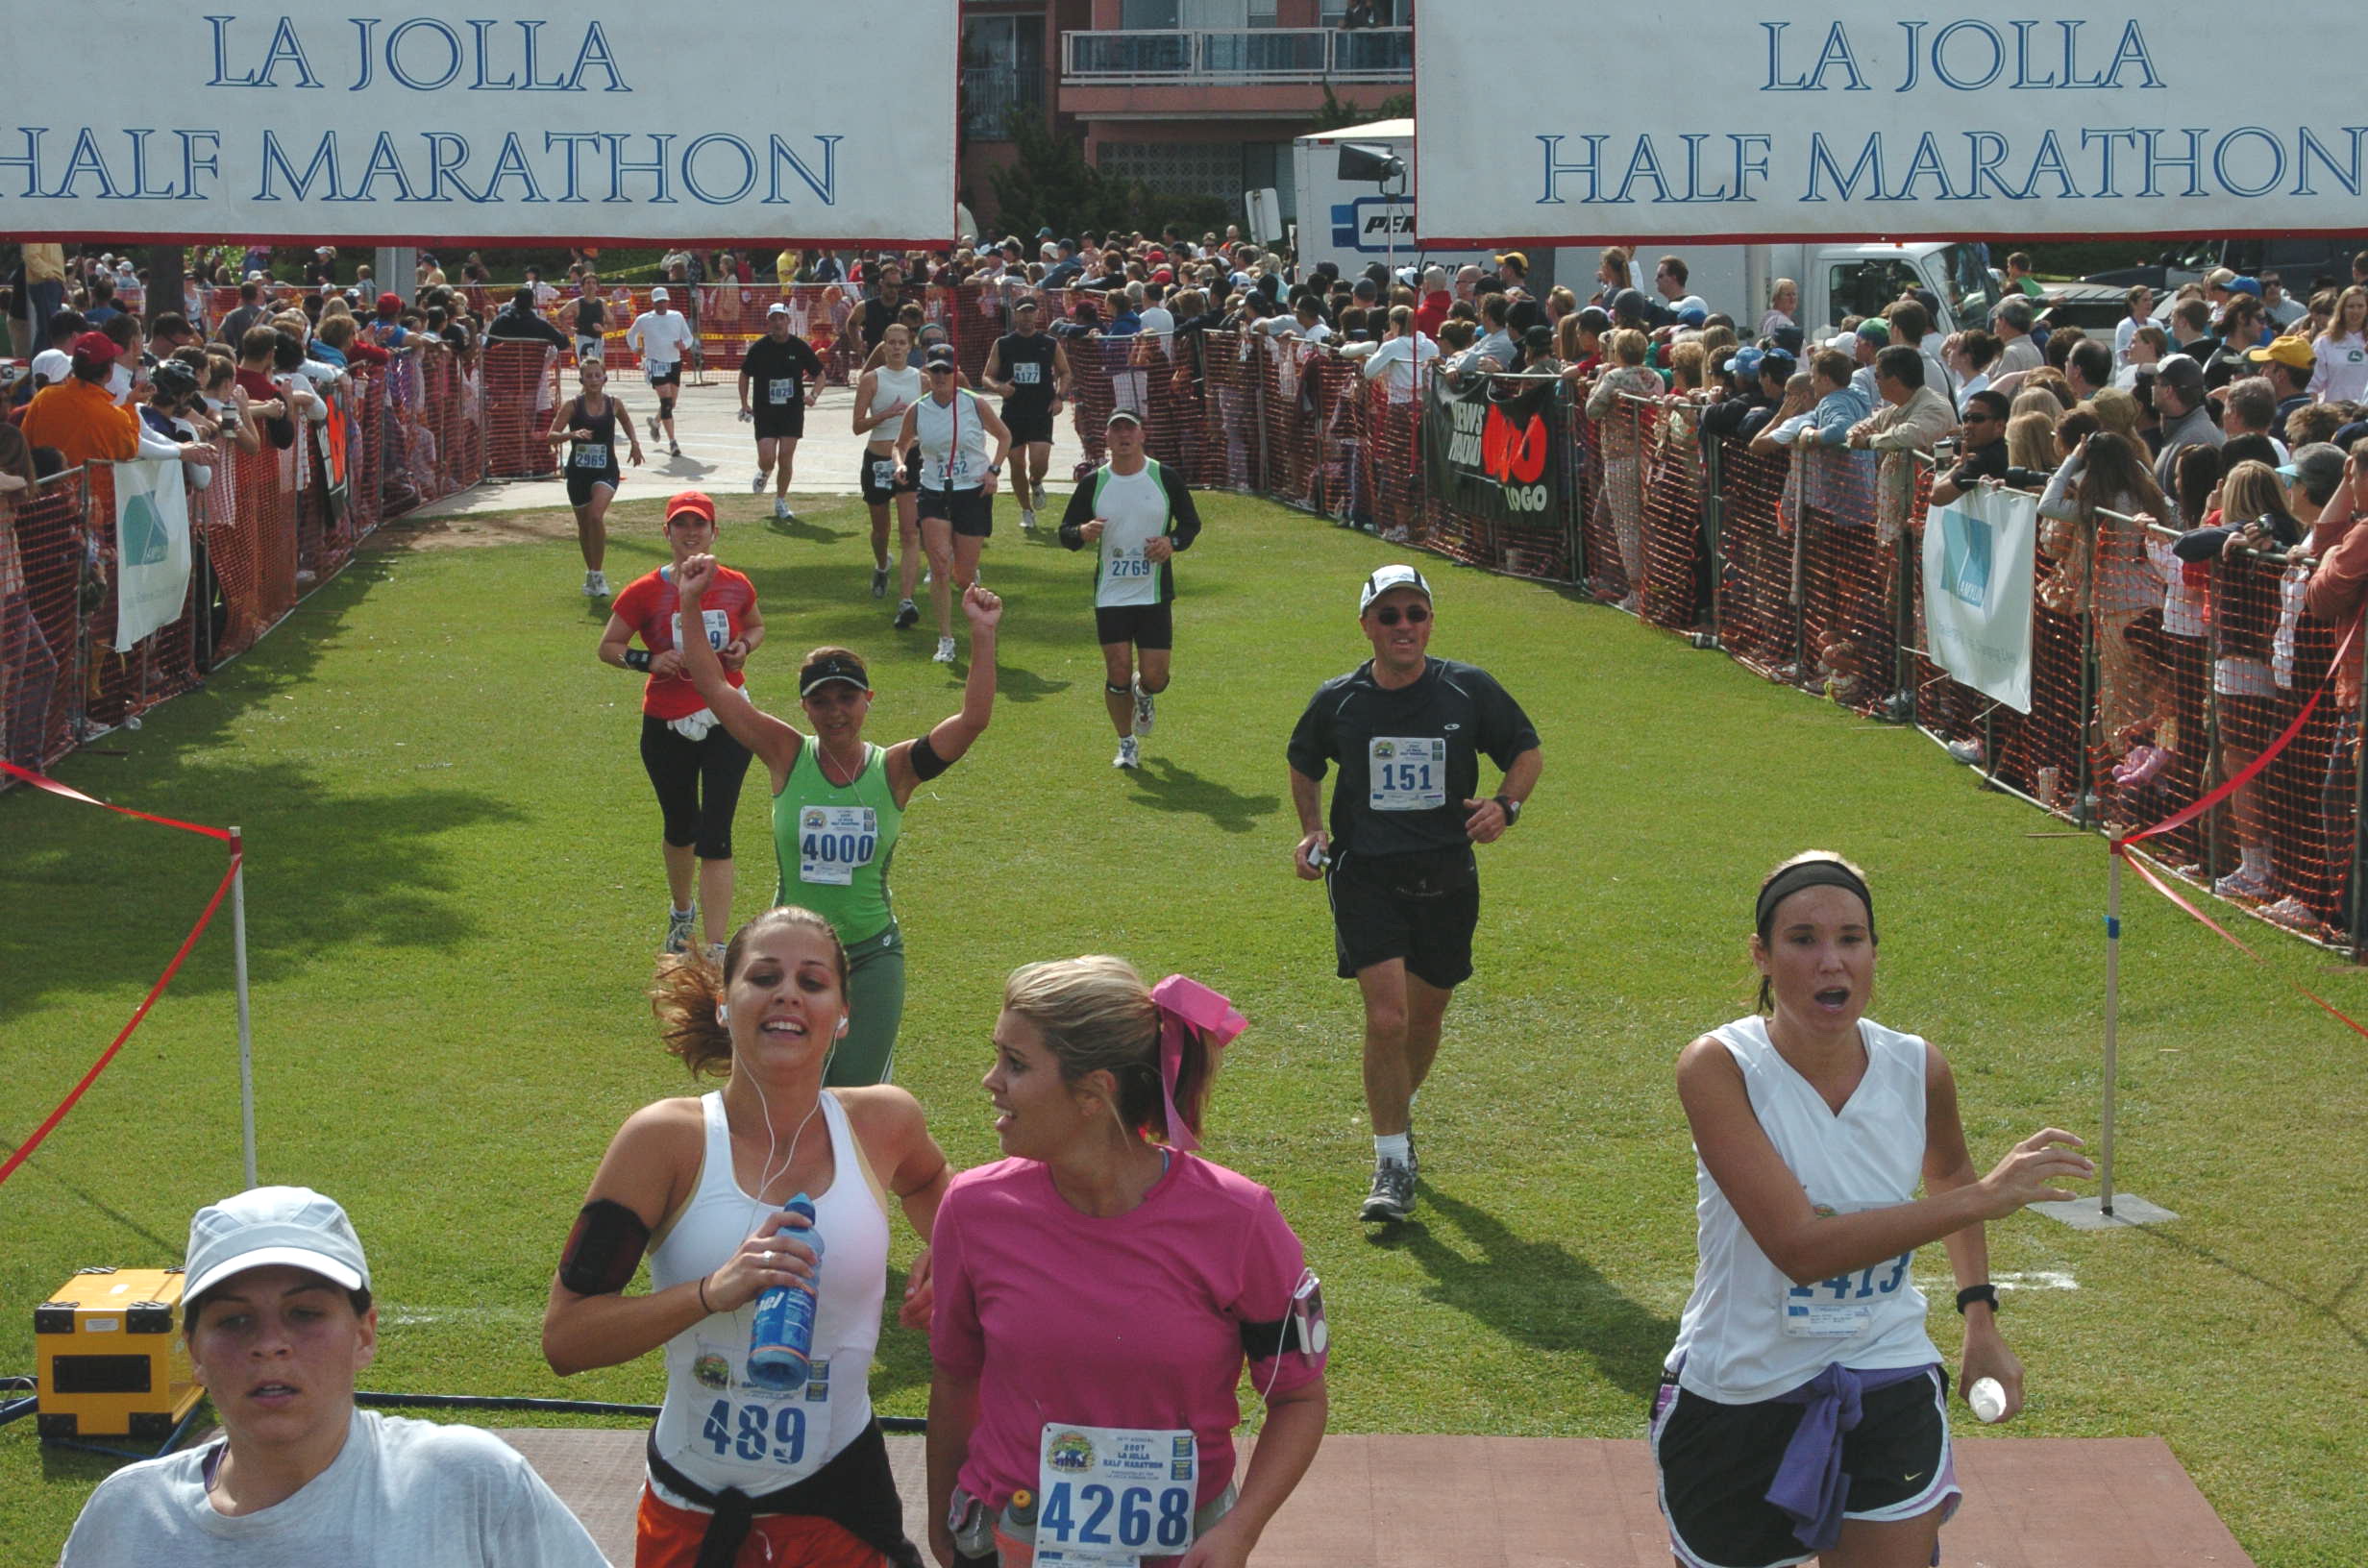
pixel 1905 571
pixel 2088 713
pixel 1714 530
pixel 1258 400
pixel 2357 863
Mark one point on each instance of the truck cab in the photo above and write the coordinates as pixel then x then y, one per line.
pixel 1842 281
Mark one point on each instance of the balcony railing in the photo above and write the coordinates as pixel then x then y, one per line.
pixel 1246 56
pixel 994 96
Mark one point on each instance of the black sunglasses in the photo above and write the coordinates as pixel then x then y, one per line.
pixel 1415 614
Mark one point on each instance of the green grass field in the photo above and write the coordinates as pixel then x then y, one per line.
pixel 454 892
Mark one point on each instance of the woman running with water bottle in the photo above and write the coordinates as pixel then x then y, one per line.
pixel 1099 1289
pixel 1802 1412
pixel 801 1468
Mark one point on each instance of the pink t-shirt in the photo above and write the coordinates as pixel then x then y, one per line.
pixel 1130 1321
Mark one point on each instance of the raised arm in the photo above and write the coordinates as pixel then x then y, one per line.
pixel 768 737
pixel 953 736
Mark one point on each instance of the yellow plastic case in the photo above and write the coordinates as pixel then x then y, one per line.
pixel 106 1358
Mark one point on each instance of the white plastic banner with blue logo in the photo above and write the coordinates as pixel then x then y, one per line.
pixel 152 548
pixel 1977 566
pixel 499 121
pixel 1553 122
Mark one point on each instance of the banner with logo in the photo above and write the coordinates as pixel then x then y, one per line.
pixel 1489 448
pixel 484 124
pixel 1978 567
pixel 152 548
pixel 334 438
pixel 1863 120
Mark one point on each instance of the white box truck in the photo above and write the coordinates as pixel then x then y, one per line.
pixel 1353 223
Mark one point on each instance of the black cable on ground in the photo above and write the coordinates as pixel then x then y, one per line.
pixel 903 1423
pixel 16 1408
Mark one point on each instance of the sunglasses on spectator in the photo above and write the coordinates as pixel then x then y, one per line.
pixel 941 370
pixel 1414 615
pixel 1979 419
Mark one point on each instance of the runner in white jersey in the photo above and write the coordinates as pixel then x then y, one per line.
pixel 803 1467
pixel 663 338
pixel 1140 514
pixel 952 426
pixel 1802 1411
pixel 881 396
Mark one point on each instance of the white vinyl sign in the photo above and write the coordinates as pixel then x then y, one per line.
pixel 502 121
pixel 1552 123
pixel 1978 565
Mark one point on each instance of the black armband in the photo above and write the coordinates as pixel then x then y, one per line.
pixel 637 658
pixel 1302 1329
pixel 927 762
pixel 1984 1292
pixel 604 1249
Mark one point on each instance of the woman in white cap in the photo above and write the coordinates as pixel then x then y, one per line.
pixel 952 425
pixel 279 1325
pixel 839 802
pixel 1802 1411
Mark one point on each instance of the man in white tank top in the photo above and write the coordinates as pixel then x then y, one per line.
pixel 1140 514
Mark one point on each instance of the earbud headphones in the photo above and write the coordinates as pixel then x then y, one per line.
pixel 723 1015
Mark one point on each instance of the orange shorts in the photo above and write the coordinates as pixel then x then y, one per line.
pixel 666 1536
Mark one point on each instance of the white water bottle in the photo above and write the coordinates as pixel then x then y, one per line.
pixel 1988 1400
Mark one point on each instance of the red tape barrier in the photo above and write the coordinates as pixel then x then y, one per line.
pixel 2179 819
pixel 49 1123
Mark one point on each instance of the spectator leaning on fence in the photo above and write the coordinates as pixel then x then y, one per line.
pixel 2339 582
pixel 1913 419
pixel 1980 446
pixel 78 417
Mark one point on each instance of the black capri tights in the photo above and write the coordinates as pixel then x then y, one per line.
pixel 697 784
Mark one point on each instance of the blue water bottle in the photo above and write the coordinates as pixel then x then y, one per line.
pixel 781 1340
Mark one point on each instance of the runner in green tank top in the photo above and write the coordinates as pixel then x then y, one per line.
pixel 838 805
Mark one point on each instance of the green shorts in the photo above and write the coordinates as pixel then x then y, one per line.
pixel 874 1010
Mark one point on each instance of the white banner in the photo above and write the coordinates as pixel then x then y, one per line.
pixel 793 120
pixel 1547 122
pixel 152 546
pixel 1978 555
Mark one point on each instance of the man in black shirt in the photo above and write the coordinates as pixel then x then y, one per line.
pixel 1980 446
pixel 591 319
pixel 517 322
pixel 879 311
pixel 1406 731
pixel 1030 369
pixel 787 377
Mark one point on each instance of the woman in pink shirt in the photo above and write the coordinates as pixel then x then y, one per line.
pixel 1099 1289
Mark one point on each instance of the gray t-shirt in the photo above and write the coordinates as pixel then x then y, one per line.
pixel 399 1494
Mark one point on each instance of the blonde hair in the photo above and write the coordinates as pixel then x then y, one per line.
pixel 1095 1014
pixel 2031 440
pixel 1627 346
pixel 2116 409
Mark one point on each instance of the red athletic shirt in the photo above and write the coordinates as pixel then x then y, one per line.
pixel 648 605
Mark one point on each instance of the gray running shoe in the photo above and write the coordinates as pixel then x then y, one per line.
pixel 1393 1195
pixel 1143 710
pixel 1130 753
pixel 879 582
pixel 679 924
pixel 909 614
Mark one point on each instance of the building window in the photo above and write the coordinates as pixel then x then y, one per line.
pixel 1181 169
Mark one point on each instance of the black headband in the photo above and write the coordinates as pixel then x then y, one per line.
pixel 1811 874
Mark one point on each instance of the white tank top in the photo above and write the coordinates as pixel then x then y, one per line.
pixel 893 391
pixel 1748 1333
pixel 953 442
pixel 718 1428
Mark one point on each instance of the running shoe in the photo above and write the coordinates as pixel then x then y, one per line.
pixel 1969 753
pixel 879 582
pixel 1130 753
pixel 715 955
pixel 674 449
pixel 909 614
pixel 945 650
pixel 595 585
pixel 756 485
pixel 780 510
pixel 1392 1195
pixel 2291 913
pixel 679 924
pixel 1143 710
pixel 1028 520
pixel 2238 884
pixel 1040 500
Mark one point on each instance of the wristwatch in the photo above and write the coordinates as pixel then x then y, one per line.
pixel 1511 807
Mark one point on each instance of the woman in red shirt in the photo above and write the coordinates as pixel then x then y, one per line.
pixel 693 762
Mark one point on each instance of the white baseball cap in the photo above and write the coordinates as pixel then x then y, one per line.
pixel 657 294
pixel 1388 577
pixel 265 1225
pixel 776 308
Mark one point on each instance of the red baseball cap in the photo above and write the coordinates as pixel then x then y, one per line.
pixel 96 347
pixel 696 503
pixel 390 301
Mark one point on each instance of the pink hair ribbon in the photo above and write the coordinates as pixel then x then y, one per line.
pixel 1183 1003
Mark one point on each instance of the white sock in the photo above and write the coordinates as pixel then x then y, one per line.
pixel 1389 1148
pixel 684 913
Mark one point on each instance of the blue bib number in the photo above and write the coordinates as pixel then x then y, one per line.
pixel 755 1431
